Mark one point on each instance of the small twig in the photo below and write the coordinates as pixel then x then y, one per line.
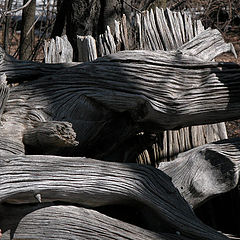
pixel 177 4
pixel 132 6
pixel 16 10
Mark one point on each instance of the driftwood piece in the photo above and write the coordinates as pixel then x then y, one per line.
pixel 205 171
pixel 69 222
pixel 93 183
pixel 58 50
pixel 135 82
pixel 133 90
pixel 50 137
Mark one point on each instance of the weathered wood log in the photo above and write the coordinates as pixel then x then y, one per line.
pixel 205 171
pixel 93 183
pixel 18 71
pixel 106 43
pixel 133 90
pixel 135 81
pixel 203 45
pixel 69 222
pixel 50 137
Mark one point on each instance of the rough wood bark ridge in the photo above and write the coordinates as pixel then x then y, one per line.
pixel 92 183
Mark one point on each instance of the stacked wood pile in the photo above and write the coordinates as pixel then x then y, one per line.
pixel 57 118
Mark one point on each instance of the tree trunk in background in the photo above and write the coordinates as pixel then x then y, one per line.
pixel 91 17
pixel 27 37
pixel 6 27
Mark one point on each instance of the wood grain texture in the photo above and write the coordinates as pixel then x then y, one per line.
pixel 58 50
pixel 207 45
pixel 170 90
pixel 69 222
pixel 19 71
pixel 93 183
pixel 50 137
pixel 87 50
pixel 125 93
pixel 205 171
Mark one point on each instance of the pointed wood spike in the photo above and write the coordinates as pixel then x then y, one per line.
pixel 38 197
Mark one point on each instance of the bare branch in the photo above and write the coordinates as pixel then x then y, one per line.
pixel 16 10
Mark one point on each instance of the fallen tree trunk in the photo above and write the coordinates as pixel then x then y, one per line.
pixel 205 171
pixel 126 93
pixel 91 183
pixel 69 222
pixel 169 89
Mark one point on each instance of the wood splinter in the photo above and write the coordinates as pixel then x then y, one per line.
pixel 38 197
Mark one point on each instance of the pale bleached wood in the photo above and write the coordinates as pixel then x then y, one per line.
pixel 195 92
pixel 93 183
pixel 156 33
pixel 124 32
pixel 139 30
pixel 164 29
pixel 172 27
pixel 207 45
pixel 87 50
pixel 58 50
pixel 205 171
pixel 188 26
pixel 69 222
pixel 110 40
pixel 208 41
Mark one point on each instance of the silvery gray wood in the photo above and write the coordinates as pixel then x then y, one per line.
pixel 58 50
pixel 174 29
pixel 69 222
pixel 207 45
pixel 205 171
pixel 92 183
pixel 152 90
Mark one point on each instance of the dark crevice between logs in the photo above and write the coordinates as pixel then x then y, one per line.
pixel 138 215
pixel 219 213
